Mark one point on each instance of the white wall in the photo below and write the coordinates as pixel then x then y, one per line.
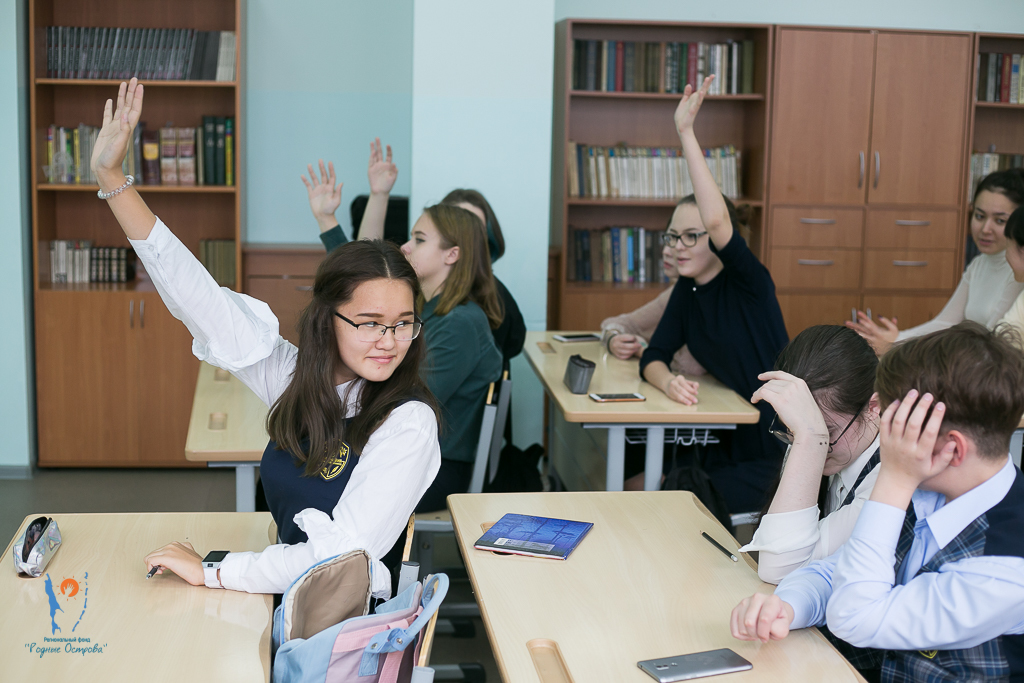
pixel 481 118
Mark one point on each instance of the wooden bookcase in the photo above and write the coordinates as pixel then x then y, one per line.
pixel 115 375
pixel 995 124
pixel 868 169
pixel 645 119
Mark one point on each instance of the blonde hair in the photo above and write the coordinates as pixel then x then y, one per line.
pixel 470 277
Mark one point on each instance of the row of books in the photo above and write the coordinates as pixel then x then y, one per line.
pixel 1000 78
pixel 984 163
pixel 625 66
pixel 168 156
pixel 164 54
pixel 615 254
pixel 645 172
pixel 218 257
pixel 78 261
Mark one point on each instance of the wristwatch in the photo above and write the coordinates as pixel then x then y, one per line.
pixel 211 567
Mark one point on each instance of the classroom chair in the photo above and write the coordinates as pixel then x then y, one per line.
pixel 396 221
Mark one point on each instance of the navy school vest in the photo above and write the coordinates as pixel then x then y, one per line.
pixel 995 533
pixel 289 491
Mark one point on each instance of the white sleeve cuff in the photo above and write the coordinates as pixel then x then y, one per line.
pixel 783 532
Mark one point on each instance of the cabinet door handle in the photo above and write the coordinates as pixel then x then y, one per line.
pixel 860 183
pixel 131 314
pixel 909 264
pixel 814 262
pixel 303 288
pixel 142 314
pixel 913 223
pixel 818 221
pixel 878 167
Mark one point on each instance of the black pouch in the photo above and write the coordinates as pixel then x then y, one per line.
pixel 578 372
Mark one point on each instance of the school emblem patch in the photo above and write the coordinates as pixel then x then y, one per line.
pixel 930 654
pixel 336 465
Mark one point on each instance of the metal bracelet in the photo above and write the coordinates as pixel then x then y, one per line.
pixel 129 180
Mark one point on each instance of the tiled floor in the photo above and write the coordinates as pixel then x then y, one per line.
pixel 102 490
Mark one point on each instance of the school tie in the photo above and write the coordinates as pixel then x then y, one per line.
pixel 914 560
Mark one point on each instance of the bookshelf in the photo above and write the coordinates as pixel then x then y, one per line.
pixel 995 126
pixel 644 119
pixel 114 371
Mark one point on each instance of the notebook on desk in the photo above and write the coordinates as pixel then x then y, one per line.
pixel 534 536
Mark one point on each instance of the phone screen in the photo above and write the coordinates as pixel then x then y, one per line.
pixel 215 556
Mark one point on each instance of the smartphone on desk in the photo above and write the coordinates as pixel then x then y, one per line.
pixel 696 665
pixel 583 337
pixel 617 398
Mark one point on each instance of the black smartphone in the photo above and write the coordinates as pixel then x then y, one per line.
pixel 696 665
pixel 584 337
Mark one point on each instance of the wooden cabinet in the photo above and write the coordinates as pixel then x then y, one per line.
pixel 282 276
pixel 867 164
pixel 910 311
pixel 114 379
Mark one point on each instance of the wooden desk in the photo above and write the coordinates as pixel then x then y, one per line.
pixel 227 429
pixel 642 584
pixel 157 630
pixel 718 407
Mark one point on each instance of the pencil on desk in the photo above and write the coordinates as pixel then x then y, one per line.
pixel 720 547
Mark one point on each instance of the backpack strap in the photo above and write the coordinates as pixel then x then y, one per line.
pixel 397 639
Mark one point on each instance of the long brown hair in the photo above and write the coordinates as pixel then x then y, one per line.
pixel 308 419
pixel 470 277
pixel 495 240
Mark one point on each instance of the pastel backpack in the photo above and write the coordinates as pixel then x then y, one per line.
pixel 323 634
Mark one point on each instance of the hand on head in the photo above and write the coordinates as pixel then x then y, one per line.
pixel 881 337
pixel 908 442
pixel 115 134
pixel 793 403
pixel 180 558
pixel 382 173
pixel 761 617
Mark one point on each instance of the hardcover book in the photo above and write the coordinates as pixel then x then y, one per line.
pixel 534 536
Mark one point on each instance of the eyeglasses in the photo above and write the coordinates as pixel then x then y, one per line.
pixel 782 433
pixel 689 239
pixel 374 331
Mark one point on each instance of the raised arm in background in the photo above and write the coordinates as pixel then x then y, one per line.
pixel 382 174
pixel 324 195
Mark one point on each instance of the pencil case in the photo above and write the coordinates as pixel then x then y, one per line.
pixel 34 548
pixel 578 372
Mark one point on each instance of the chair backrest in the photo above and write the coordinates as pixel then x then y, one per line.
pixel 492 433
pixel 396 220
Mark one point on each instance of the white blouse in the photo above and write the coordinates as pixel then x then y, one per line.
pixel 789 540
pixel 986 291
pixel 240 334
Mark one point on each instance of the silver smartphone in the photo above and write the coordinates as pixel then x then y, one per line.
pixel 696 665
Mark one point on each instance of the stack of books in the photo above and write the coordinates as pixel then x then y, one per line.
pixel 625 66
pixel 218 256
pixel 615 254
pixel 201 155
pixel 1000 78
pixel 78 261
pixel 984 163
pixel 645 172
pixel 164 54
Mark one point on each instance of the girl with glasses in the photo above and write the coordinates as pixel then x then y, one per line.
pixel 723 309
pixel 353 427
pixel 822 392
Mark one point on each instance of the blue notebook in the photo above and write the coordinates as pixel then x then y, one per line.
pixel 534 536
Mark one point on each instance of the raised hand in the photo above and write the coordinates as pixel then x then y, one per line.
pixel 382 172
pixel 688 107
pixel 682 390
pixel 880 337
pixel 324 196
pixel 115 135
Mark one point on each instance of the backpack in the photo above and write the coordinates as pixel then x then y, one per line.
pixel 692 477
pixel 517 471
pixel 322 630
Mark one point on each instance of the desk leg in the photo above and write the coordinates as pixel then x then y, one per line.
pixel 655 458
pixel 1016 443
pixel 245 488
pixel 615 471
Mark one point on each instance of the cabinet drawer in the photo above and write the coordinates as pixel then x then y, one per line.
pixel 286 298
pixel 810 227
pixel 800 311
pixel 909 269
pixel 909 311
pixel 911 229
pixel 277 260
pixel 816 268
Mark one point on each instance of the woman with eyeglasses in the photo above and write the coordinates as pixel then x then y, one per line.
pixel 723 309
pixel 822 391
pixel 353 427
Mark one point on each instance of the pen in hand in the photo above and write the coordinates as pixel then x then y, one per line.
pixel 720 547
pixel 153 571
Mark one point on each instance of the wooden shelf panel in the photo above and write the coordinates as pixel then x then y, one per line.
pixel 181 189
pixel 136 285
pixel 675 97
pixel 147 83
pixel 615 286
pixel 998 105
pixel 640 203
